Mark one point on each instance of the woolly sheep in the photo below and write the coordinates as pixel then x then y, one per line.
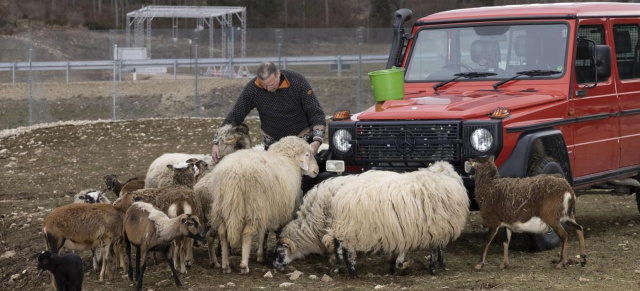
pixel 307 234
pixel 231 140
pixel 254 191
pixel 424 209
pixel 91 196
pixel 150 229
pixel 532 204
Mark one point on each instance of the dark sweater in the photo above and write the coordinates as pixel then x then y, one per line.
pixel 287 111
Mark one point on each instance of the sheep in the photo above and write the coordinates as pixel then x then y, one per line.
pixel 307 234
pixel 532 204
pixel 231 139
pixel 66 270
pixel 79 227
pixel 91 196
pixel 175 199
pixel 254 191
pixel 150 229
pixel 119 188
pixel 424 209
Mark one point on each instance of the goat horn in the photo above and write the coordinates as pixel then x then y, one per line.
pixel 287 241
pixel 231 141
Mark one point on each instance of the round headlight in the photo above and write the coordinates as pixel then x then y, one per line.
pixel 481 139
pixel 341 140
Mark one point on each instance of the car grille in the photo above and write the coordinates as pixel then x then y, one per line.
pixel 410 144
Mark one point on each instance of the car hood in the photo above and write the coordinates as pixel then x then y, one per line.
pixel 463 105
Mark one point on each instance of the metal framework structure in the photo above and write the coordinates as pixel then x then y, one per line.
pixel 204 14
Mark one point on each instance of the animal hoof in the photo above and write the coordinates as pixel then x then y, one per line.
pixel 260 259
pixel 226 271
pixel 479 266
pixel 504 266
pixel 244 270
pixel 214 265
pixel 560 265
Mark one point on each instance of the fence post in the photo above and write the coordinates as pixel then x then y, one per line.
pixel 196 101
pixel 113 87
pixel 359 35
pixel 279 42
pixel 175 68
pixel 120 70
pixel 67 72
pixel 339 66
pixel 30 88
pixel 13 73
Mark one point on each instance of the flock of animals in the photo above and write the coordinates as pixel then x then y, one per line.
pixel 183 202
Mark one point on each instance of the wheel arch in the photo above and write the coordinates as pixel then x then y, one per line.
pixel 532 146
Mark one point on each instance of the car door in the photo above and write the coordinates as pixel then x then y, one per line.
pixel 596 135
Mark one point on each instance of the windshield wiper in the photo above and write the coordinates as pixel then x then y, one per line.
pixel 467 75
pixel 530 73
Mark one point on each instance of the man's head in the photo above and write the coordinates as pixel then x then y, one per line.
pixel 268 76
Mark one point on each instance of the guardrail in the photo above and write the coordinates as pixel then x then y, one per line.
pixel 125 65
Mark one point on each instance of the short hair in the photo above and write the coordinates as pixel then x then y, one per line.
pixel 266 69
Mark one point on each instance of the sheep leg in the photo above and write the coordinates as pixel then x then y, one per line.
pixel 351 263
pixel 398 264
pixel 247 235
pixel 432 263
pixel 564 236
pixel 224 253
pixel 95 259
pixel 173 268
pixel 143 257
pixel 441 261
pixel 262 247
pixel 138 254
pixel 505 245
pixel 213 259
pixel 189 250
pixel 492 234
pixel 105 259
pixel 580 232
pixel 127 245
pixel 339 253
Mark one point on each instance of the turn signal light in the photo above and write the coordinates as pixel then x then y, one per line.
pixel 340 115
pixel 500 113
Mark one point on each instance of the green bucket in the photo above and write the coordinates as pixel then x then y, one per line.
pixel 387 84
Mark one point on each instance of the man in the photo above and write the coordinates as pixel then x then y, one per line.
pixel 286 105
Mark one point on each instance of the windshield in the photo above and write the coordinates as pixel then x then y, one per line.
pixel 438 54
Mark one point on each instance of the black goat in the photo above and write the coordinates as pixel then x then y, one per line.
pixel 66 270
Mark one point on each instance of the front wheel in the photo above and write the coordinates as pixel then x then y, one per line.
pixel 549 240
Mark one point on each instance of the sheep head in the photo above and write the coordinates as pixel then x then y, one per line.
pixel 300 151
pixel 91 196
pixel 190 227
pixel 284 250
pixel 184 174
pixel 125 201
pixel 45 261
pixel 111 181
pixel 200 167
pixel 483 166
pixel 233 138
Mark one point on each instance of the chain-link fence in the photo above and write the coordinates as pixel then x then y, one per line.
pixel 49 76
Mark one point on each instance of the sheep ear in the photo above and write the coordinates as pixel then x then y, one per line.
pixel 170 167
pixel 82 197
pixel 137 198
pixel 303 162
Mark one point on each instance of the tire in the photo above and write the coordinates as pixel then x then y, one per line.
pixel 531 242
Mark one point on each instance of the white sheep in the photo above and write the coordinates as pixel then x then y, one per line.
pixel 254 191
pixel 307 234
pixel 418 210
pixel 231 139
pixel 91 196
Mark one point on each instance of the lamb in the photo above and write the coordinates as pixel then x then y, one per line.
pixel 119 188
pixel 91 196
pixel 80 227
pixel 424 209
pixel 149 229
pixel 231 139
pixel 532 204
pixel 308 233
pixel 66 270
pixel 175 199
pixel 241 209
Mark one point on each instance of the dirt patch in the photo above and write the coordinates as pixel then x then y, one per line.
pixel 42 169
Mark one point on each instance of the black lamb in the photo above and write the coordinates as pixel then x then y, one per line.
pixel 66 270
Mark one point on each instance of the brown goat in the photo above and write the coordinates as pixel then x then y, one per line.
pixel 149 229
pixel 80 226
pixel 119 188
pixel 532 204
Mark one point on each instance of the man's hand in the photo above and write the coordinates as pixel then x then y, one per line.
pixel 315 145
pixel 215 154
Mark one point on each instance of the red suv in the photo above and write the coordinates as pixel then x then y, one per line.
pixel 545 88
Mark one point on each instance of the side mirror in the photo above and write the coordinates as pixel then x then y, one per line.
pixel 603 61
